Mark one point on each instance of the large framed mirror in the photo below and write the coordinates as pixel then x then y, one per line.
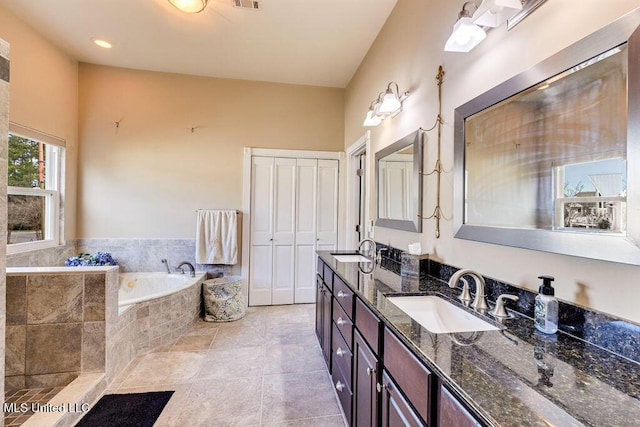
pixel 548 159
pixel 399 184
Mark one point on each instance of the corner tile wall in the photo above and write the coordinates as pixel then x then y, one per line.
pixel 55 326
pixel 50 257
pixel 134 255
pixel 4 131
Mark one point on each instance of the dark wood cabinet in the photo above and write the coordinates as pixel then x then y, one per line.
pixel 451 413
pixel 396 410
pixel 365 380
pixel 379 380
pixel 412 377
pixel 323 318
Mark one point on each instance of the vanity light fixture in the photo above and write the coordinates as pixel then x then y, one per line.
pixel 388 103
pixel 372 119
pixel 493 13
pixel 466 34
pixel 189 6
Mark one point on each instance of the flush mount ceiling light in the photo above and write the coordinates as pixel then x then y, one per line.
pixel 189 6
pixel 388 103
pixel 102 43
pixel 466 34
pixel 493 13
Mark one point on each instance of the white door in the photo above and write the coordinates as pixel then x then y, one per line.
pixel 294 205
pixel 327 206
pixel 284 214
pixel 306 225
pixel 261 253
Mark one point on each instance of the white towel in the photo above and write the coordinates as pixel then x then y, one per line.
pixel 216 237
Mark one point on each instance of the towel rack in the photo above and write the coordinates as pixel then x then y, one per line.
pixel 237 211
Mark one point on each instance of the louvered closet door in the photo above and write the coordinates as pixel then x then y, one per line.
pixel 306 220
pixel 284 214
pixel 261 253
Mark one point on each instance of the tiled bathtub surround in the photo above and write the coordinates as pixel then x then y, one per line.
pixel 148 325
pixel 134 255
pixel 55 325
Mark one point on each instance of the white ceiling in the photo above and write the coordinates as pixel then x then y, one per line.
pixel 319 42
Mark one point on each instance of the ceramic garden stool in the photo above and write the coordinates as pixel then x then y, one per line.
pixel 224 300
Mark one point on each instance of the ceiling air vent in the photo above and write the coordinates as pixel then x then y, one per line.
pixel 247 4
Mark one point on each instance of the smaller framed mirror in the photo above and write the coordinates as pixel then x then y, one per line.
pixel 399 184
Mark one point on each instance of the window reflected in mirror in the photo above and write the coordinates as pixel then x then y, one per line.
pixel 553 157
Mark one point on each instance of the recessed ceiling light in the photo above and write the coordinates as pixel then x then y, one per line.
pixel 102 43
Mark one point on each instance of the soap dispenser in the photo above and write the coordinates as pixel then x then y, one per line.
pixel 546 307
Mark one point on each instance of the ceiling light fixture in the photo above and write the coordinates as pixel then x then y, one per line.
pixel 388 103
pixel 102 43
pixel 493 13
pixel 189 6
pixel 466 34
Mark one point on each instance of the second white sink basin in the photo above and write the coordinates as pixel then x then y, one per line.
pixel 440 316
pixel 351 258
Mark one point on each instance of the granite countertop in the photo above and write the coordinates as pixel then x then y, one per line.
pixel 514 376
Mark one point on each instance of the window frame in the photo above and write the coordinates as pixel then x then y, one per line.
pixel 52 193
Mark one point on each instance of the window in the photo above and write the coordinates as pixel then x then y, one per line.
pixel 592 196
pixel 35 165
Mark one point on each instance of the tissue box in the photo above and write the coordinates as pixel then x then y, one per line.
pixel 414 265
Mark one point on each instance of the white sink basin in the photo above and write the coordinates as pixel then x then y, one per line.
pixel 351 258
pixel 440 316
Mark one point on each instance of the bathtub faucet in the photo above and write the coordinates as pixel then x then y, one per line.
pixel 166 265
pixel 192 270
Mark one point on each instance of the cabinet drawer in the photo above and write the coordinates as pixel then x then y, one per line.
pixel 368 325
pixel 452 412
pixel 344 393
pixel 320 268
pixel 409 373
pixel 344 295
pixel 344 324
pixel 342 356
pixel 327 276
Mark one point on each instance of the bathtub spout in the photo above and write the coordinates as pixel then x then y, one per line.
pixel 192 270
pixel 166 264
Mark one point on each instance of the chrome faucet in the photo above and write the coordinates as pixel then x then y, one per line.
pixel 192 270
pixel 480 301
pixel 166 264
pixel 372 245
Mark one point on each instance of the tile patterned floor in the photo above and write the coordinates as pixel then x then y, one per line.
pixel 263 370
pixel 30 398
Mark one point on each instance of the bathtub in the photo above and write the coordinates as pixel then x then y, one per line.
pixel 139 287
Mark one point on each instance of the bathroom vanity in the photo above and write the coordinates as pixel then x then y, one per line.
pixel 388 370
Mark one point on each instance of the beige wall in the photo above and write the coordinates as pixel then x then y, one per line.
pixel 408 50
pixel 147 177
pixel 44 96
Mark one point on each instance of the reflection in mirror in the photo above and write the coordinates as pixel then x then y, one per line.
pixel 541 160
pixel 399 184
pixel 567 131
pixel 395 173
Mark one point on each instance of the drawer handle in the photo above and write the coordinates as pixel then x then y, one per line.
pixel 341 321
pixel 339 386
pixel 370 371
pixel 341 294
pixel 340 352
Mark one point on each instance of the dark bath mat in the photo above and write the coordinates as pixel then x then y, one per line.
pixel 126 410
